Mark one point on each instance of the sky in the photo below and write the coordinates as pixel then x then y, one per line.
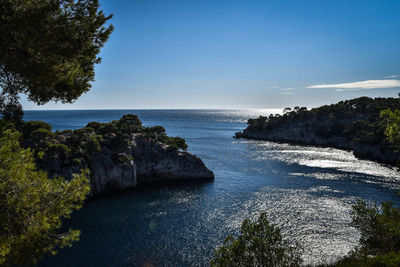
pixel 192 54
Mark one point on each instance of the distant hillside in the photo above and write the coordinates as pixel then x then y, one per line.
pixel 352 124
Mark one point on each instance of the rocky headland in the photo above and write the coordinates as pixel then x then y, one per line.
pixel 119 155
pixel 351 125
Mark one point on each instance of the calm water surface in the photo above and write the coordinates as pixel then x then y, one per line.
pixel 307 191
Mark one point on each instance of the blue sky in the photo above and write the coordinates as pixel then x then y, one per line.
pixel 244 54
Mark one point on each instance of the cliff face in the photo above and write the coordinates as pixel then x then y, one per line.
pixel 296 134
pixel 119 155
pixel 351 125
pixel 145 161
pixel 148 161
pixel 156 161
pixel 108 175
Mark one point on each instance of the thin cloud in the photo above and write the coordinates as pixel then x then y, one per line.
pixel 287 93
pixel 287 89
pixel 392 76
pixel 369 84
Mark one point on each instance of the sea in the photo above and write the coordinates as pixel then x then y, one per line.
pixel 307 191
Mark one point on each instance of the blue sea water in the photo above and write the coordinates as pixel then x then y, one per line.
pixel 307 191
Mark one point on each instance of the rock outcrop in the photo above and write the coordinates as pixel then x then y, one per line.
pixel 148 161
pixel 119 155
pixel 156 161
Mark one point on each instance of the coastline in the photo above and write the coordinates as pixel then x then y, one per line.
pixel 380 154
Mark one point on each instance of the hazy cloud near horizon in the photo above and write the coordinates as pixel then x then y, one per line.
pixel 360 85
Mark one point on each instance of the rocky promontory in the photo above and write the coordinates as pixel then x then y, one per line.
pixel 351 125
pixel 119 155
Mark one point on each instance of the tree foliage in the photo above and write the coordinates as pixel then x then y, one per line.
pixel 392 131
pixel 32 205
pixel 259 244
pixel 379 227
pixel 48 49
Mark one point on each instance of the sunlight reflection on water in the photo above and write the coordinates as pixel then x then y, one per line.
pixel 326 158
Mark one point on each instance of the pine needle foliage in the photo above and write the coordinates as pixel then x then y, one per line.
pixel 32 206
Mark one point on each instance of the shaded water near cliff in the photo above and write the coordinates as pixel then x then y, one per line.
pixel 307 191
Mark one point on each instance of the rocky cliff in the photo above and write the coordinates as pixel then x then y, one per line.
pixel 145 161
pixel 294 134
pixel 351 125
pixel 120 154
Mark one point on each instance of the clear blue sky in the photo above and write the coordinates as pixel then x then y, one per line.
pixel 244 54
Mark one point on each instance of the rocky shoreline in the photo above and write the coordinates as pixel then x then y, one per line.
pixel 380 153
pixel 356 125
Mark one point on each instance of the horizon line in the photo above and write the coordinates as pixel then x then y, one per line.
pixel 80 109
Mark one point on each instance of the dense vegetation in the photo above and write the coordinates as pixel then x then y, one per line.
pixel 32 205
pixel 358 120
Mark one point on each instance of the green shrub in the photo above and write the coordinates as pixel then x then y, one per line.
pixel 94 125
pixel 32 206
pixel 77 161
pixel 57 151
pixel 391 259
pixel 379 227
pixel 380 236
pixel 121 158
pixel 259 244
pixel 175 142
pixel 31 126
pixel 6 125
